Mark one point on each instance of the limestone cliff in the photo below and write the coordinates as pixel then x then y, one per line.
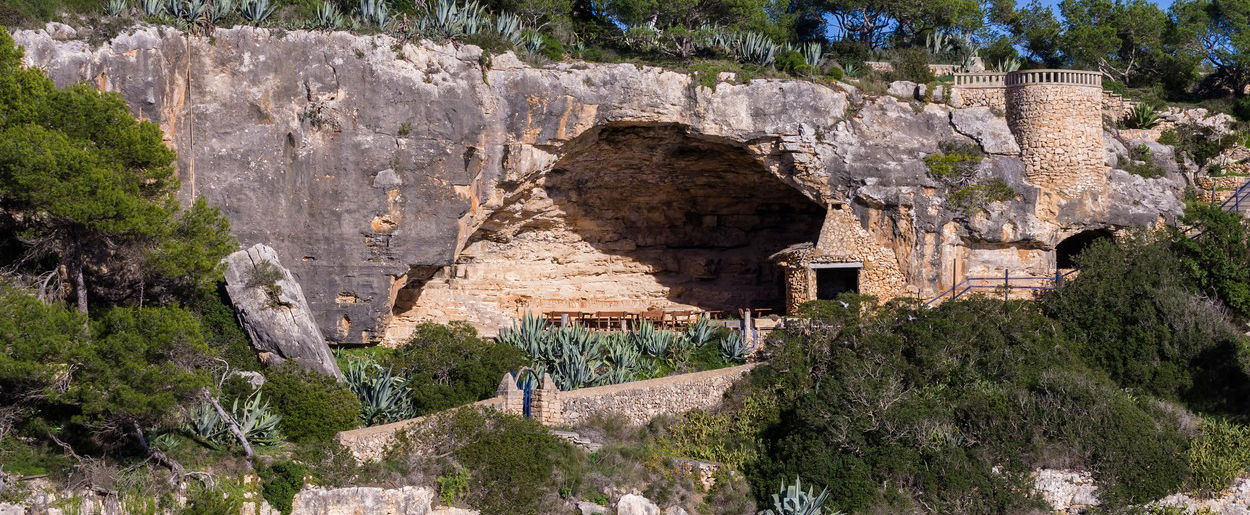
pixel 427 180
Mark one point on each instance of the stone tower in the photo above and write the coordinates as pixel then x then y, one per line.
pixel 1056 116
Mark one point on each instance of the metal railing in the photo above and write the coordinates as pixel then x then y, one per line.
pixel 1005 283
pixel 1239 198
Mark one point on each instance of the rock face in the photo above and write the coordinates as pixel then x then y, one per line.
pixel 406 181
pixel 408 500
pixel 272 310
pixel 631 504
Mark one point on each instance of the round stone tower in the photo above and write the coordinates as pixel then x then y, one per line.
pixel 1056 116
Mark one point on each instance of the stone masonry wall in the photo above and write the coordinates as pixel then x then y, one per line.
pixel 992 98
pixel 1059 128
pixel 638 402
pixel 641 401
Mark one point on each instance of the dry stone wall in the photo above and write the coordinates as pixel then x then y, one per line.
pixel 640 401
pixel 637 402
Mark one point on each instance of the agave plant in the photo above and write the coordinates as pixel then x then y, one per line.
pixel 939 43
pixel 792 500
pixel 754 47
pixel 220 10
pixel 1143 116
pixel 204 422
pixel 701 331
pixel 576 339
pixel 153 7
pixel 328 16
pixel 534 42
pixel 616 375
pixel 449 19
pixel 734 348
pixel 383 394
pixel 258 424
pixel 812 53
pixel 654 342
pixel 256 11
pixel 528 334
pixel 117 7
pixel 195 10
pixel 509 27
pixel 375 12
pixel 1007 65
pixel 256 421
pixel 574 371
pixel 176 8
pixel 621 350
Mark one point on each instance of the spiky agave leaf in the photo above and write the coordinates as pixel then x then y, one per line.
pixel 792 500
pixel 117 7
pixel 384 395
pixel 734 347
pixel 257 422
pixel 256 11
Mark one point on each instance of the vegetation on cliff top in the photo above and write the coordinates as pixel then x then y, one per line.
pixel 1190 51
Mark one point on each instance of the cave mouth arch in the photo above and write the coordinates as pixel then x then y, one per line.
pixel 632 218
pixel 1067 250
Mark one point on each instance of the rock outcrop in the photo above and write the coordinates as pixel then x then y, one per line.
pixel 403 181
pixel 273 311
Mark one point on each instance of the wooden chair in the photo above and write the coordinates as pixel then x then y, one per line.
pixel 680 319
pixel 655 318
pixel 556 318
pixel 610 320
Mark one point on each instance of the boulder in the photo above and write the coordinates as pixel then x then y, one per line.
pixel 273 311
pixel 903 89
pixel 989 129
pixel 408 500
pixel 632 504
pixel 590 508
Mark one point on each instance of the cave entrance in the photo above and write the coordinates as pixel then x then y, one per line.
pixel 835 279
pixel 1071 247
pixel 632 218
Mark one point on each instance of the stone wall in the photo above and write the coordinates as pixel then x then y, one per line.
pixel 640 401
pixel 993 98
pixel 637 401
pixel 1059 129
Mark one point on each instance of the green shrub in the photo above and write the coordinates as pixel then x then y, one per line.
pixel 214 501
pixel 513 464
pixel 1219 456
pixel 1143 163
pixel 453 486
pixel 1241 109
pixel 1135 317
pixel 954 161
pixel 793 64
pixel 896 406
pixel 313 407
pixel 912 64
pixel 978 197
pixel 448 365
pixel 280 482
pixel 222 330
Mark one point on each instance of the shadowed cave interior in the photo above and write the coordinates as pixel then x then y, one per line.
pixel 633 218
